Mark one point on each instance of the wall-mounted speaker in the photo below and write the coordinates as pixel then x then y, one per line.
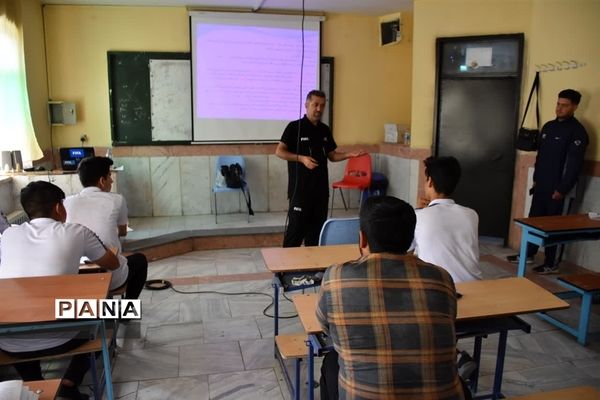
pixel 390 29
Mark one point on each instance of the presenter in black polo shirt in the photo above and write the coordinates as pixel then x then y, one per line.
pixel 558 165
pixel 307 144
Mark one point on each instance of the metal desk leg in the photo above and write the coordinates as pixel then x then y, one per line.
pixel 523 252
pixel 584 317
pixel 297 386
pixel 311 373
pixel 497 393
pixel 276 307
pixel 477 358
pixel 106 362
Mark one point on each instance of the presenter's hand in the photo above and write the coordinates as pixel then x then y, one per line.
pixel 309 162
pixel 356 153
pixel 557 195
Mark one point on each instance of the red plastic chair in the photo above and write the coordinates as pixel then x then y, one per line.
pixel 356 176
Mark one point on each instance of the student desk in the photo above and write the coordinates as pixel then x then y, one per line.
pixel 297 262
pixel 488 306
pixel 27 304
pixel 554 230
pixel 289 262
pixel 46 389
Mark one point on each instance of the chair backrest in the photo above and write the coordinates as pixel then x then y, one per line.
pixel 358 171
pixel 339 231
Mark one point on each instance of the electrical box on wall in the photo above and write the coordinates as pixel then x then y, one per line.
pixel 62 113
pixel 390 31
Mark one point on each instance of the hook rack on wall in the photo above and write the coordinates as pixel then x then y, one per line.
pixel 559 66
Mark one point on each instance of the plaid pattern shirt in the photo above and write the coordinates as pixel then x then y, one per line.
pixel 391 318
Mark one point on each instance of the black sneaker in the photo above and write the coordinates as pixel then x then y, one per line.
pixel 514 259
pixel 71 393
pixel 545 270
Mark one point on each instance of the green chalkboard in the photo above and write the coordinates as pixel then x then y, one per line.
pixel 129 95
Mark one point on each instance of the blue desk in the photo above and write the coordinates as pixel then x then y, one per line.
pixel 27 305
pixel 554 230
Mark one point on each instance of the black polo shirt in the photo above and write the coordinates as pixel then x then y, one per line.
pixel 315 141
pixel 560 156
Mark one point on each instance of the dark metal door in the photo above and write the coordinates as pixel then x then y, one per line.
pixel 478 89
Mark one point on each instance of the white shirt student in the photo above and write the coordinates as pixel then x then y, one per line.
pixel 102 212
pixel 446 233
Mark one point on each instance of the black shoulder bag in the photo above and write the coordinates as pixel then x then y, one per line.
pixel 527 139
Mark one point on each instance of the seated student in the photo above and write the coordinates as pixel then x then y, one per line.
pixel 105 213
pixel 447 233
pixel 390 316
pixel 47 246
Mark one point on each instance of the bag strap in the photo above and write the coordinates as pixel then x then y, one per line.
pixel 534 88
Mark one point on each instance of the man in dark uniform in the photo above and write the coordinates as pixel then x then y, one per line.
pixel 558 164
pixel 307 144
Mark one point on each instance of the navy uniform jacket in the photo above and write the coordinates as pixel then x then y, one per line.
pixel 560 156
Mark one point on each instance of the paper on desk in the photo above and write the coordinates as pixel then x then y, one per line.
pixel 15 390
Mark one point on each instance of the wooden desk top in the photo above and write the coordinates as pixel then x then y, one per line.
pixel 46 389
pixel 279 259
pixel 556 223
pixel 27 300
pixel 481 299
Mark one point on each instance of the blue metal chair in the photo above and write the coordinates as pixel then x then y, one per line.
pixel 339 231
pixel 226 160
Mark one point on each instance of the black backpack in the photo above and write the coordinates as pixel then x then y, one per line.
pixel 233 175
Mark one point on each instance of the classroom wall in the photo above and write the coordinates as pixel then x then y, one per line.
pixel 372 84
pixel 564 31
pixel 554 30
pixel 77 39
pixel 371 87
pixel 447 18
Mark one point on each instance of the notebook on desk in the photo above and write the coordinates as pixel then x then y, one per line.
pixel 71 156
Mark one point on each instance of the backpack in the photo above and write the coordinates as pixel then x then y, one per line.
pixel 233 175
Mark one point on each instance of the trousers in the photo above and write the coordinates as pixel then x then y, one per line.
pixel 305 220
pixel 138 272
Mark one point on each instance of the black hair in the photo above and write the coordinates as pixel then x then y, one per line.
pixel 570 94
pixel 388 224
pixel 444 173
pixel 316 93
pixel 91 169
pixel 39 199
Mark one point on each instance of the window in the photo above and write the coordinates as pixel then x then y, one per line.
pixel 16 127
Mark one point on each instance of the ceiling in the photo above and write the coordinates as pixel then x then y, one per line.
pixel 369 7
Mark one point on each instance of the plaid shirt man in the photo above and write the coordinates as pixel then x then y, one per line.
pixel 391 318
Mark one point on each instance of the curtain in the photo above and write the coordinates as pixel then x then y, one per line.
pixel 16 126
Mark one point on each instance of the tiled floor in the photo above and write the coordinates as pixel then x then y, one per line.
pixel 203 344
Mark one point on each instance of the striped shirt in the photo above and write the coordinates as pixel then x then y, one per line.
pixel 391 318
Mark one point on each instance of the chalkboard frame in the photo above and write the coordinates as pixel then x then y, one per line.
pixel 129 87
